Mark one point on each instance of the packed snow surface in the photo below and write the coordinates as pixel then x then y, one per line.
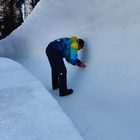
pixel 28 111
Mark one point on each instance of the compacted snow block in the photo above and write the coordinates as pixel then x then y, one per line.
pixel 27 110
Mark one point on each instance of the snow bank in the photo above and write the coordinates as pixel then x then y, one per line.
pixel 105 103
pixel 28 111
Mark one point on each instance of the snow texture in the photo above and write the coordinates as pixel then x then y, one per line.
pixel 28 111
pixel 106 100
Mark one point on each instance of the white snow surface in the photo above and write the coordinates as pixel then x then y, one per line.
pixel 105 103
pixel 28 111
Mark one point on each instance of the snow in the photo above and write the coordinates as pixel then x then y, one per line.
pixel 28 111
pixel 105 103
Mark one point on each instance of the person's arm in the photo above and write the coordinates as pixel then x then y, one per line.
pixel 72 59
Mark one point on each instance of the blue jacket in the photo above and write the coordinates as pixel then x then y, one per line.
pixel 69 47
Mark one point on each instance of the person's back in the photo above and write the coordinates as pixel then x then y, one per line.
pixel 61 44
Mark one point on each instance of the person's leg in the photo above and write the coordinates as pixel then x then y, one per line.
pixel 63 91
pixel 54 74
pixel 59 71
pixel 62 78
pixel 55 83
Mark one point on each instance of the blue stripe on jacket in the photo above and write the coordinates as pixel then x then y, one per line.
pixel 69 53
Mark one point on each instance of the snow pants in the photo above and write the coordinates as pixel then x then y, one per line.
pixel 58 69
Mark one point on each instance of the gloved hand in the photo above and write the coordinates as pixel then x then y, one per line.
pixel 82 65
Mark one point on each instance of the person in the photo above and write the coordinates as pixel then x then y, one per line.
pixel 56 51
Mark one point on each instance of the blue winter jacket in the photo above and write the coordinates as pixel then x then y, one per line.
pixel 69 47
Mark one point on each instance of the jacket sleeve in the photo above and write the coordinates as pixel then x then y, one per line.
pixel 72 58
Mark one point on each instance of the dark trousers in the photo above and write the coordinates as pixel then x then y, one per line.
pixel 58 69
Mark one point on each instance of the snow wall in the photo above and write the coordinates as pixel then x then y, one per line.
pixel 109 86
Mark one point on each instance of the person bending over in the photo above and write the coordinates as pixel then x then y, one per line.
pixel 57 50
